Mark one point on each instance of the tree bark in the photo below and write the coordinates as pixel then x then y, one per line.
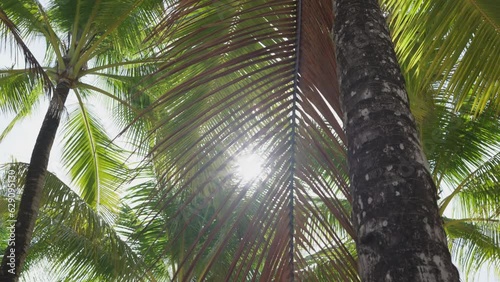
pixel 16 252
pixel 400 236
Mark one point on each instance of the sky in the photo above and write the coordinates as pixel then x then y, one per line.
pixel 19 143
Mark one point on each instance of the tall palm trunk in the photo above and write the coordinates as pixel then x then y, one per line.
pixel 400 236
pixel 32 193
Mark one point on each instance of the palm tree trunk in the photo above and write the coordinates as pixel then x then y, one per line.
pixel 400 236
pixel 29 206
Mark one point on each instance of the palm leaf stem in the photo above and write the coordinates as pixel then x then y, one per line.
pixel 92 146
pixel 89 53
pixel 475 219
pixel 107 94
pixel 51 36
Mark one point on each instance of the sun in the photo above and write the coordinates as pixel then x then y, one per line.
pixel 249 167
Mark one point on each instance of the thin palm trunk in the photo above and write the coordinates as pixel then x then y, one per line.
pixel 16 253
pixel 400 236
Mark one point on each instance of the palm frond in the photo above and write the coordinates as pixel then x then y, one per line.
pixel 319 269
pixel 15 102
pixel 479 192
pixel 474 244
pixel 19 91
pixel 454 142
pixel 9 28
pixel 453 44
pixel 121 82
pixel 95 163
pixel 105 31
pixel 75 238
pixel 236 86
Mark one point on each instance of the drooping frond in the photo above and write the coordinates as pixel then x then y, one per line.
pixel 20 96
pixel 479 192
pixel 95 163
pixel 474 243
pixel 19 90
pixel 480 195
pixel 74 237
pixel 249 78
pixel 452 44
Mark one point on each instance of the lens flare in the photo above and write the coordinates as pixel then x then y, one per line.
pixel 249 167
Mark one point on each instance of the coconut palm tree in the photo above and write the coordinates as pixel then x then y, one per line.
pixel 395 212
pixel 83 39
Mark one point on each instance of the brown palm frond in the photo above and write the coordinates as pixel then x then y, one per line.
pixel 250 77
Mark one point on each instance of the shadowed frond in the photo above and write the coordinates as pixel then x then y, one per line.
pixel 454 142
pixel 479 192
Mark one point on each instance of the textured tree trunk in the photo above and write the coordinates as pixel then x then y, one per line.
pixel 35 179
pixel 400 236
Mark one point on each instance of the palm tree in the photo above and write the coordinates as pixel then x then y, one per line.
pixel 258 77
pixel 84 38
pixel 395 213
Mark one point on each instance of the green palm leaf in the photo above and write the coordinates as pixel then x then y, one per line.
pixel 455 142
pixel 453 44
pixel 19 91
pixel 75 238
pixel 21 96
pixel 474 243
pixel 479 191
pixel 95 163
